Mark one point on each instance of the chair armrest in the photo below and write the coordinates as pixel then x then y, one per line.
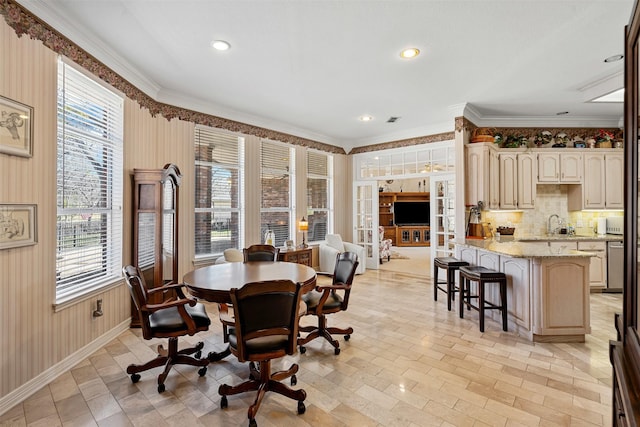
pixel 334 287
pixel 168 304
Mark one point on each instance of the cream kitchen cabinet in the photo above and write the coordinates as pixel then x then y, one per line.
pixel 598 264
pixel 560 168
pixel 483 170
pixel 602 186
pixel 517 180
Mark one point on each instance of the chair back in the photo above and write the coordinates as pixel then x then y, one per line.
pixel 344 272
pixel 266 319
pixel 261 253
pixel 140 296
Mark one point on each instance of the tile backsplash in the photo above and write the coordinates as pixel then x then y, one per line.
pixel 550 199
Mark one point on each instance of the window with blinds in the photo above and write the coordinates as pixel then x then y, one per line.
pixel 219 161
pixel 319 195
pixel 278 189
pixel 89 184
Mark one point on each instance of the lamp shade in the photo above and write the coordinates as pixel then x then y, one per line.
pixel 303 225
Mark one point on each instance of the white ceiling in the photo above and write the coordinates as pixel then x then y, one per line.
pixel 311 68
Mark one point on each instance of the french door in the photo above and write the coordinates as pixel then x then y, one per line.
pixel 365 220
pixel 443 214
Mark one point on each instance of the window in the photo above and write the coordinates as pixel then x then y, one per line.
pixel 89 184
pixel 219 190
pixel 278 188
pixel 319 191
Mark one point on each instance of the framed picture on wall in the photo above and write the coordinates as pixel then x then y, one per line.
pixel 16 128
pixel 17 225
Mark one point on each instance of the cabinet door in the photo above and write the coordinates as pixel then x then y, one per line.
pixel 477 158
pixel 598 264
pixel 614 180
pixel 593 186
pixel 526 181
pixel 571 167
pixel 518 289
pixel 548 167
pixel 494 180
pixel 508 181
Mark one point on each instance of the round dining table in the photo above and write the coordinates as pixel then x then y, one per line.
pixel 214 282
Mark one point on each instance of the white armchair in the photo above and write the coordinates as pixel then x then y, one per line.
pixel 333 246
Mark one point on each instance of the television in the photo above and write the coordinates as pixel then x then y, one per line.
pixel 411 213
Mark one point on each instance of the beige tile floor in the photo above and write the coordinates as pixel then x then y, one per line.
pixel 409 362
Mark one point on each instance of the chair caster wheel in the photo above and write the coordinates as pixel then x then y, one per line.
pixel 202 371
pixel 294 380
pixel 135 378
pixel 301 408
pixel 253 423
pixel 303 349
pixel 347 337
pixel 198 354
pixel 336 351
pixel 161 388
pixel 224 402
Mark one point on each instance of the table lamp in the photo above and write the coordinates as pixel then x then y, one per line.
pixel 303 225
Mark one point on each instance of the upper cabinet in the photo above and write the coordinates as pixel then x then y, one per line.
pixel 560 168
pixel 602 186
pixel 507 178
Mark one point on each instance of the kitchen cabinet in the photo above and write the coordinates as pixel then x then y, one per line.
pixel 517 180
pixel 483 170
pixel 598 265
pixel 560 168
pixel 602 187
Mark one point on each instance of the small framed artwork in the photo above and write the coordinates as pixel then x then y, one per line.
pixel 17 225
pixel 16 128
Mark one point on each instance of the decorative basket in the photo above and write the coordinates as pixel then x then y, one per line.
pixel 482 135
pixel 506 231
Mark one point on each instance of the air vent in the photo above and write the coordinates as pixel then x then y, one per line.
pixel 392 119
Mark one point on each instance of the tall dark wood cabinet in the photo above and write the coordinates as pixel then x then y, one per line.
pixel 155 227
pixel 624 352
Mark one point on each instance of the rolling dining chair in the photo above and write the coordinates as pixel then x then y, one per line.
pixel 260 253
pixel 252 253
pixel 261 335
pixel 171 319
pixel 329 299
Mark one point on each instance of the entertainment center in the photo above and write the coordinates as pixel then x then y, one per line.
pixel 405 218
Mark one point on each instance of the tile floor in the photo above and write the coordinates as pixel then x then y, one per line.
pixel 409 362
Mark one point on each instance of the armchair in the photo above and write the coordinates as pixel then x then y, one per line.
pixel 384 248
pixel 261 335
pixel 333 246
pixel 171 319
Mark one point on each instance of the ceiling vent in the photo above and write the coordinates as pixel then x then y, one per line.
pixel 392 119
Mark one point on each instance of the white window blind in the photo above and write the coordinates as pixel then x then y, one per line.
pixel 278 188
pixel 319 194
pixel 219 161
pixel 89 184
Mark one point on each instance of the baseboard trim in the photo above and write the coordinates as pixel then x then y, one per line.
pixel 30 387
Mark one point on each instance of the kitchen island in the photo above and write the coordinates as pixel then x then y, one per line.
pixel 547 287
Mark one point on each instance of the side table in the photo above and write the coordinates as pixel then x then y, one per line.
pixel 298 255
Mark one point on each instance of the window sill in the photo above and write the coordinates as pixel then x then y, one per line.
pixel 83 295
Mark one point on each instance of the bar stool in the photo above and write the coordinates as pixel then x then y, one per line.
pixel 451 265
pixel 483 276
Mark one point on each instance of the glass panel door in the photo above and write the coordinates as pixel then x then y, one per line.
pixel 443 209
pixel 365 220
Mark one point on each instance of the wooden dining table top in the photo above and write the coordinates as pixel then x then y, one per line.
pixel 213 283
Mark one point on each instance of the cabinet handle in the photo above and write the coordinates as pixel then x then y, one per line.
pixel 563 175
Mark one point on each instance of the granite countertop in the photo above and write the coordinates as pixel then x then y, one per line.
pixel 575 237
pixel 521 249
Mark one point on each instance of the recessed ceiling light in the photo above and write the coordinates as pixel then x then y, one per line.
pixel 366 118
pixel 614 58
pixel 411 52
pixel 220 45
pixel 562 113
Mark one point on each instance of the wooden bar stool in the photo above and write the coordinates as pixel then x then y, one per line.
pixel 451 265
pixel 483 276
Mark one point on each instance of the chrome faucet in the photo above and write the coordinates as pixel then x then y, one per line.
pixel 549 229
